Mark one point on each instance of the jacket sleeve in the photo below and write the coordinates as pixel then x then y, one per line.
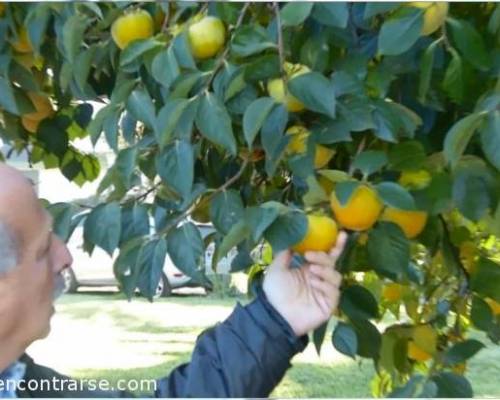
pixel 247 355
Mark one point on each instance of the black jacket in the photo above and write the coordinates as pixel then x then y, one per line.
pixel 247 355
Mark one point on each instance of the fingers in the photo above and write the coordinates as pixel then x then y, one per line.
pixel 328 259
pixel 326 295
pixel 326 274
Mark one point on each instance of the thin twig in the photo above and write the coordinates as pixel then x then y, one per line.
pixel 361 147
pixel 164 26
pixel 222 58
pixel 281 51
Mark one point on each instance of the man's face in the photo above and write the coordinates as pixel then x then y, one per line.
pixel 29 288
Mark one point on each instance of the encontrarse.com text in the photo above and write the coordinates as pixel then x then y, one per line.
pixel 73 385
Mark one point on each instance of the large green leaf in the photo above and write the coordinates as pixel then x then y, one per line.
pixel 141 107
pixel 370 161
pixel 73 33
pixel 167 120
pixel 490 138
pixel 409 155
pixel 175 165
pixel 379 7
pixel 249 40
pixel 461 352
pixel 334 14
pixel 395 196
pixel 259 218
pixel 214 122
pixel 454 80
pixel 165 68
pixel 103 227
pixel 469 42
pixel 388 249
pixel 150 261
pixel 426 66
pixel 345 340
pixel 486 280
pixel 397 35
pixel 315 91
pixel 295 13
pixel 226 209
pixel 481 314
pixel 358 303
pixel 186 249
pixel 452 385
pixel 136 49
pixel 135 223
pixel 255 116
pixel 63 214
pixel 459 136
pixel 286 230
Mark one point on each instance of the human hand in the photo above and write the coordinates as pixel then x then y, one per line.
pixel 307 296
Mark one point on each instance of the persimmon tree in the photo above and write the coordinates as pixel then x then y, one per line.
pixel 281 124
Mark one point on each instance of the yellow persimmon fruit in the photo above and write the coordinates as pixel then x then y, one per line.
pixel 392 292
pixel 361 211
pixel 415 179
pixel 411 222
pixel 276 87
pixel 321 235
pixel 434 15
pixel 206 37
pixel 298 145
pixel 131 26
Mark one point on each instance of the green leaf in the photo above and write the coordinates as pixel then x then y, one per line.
pixel 7 99
pixel 334 14
pixel 452 385
pixel 344 191
pixel 167 120
pixel 453 82
pixel 469 42
pixel 473 188
pixel 126 268
pixel 82 66
pixel 293 14
pixel 226 209
pixel 319 336
pixel 165 68
pixel 409 155
pixel 125 165
pixel 426 64
pixel 72 32
pixel 481 314
pixel 490 138
pixel 175 165
pixel 150 261
pixel 358 303
pixel 395 196
pixel 388 249
pixel 103 227
pixel 286 230
pixel 259 218
pixel 63 214
pixel 329 131
pixel 459 136
pixel 486 280
pixel 345 340
pixel 369 338
pixel 214 123
pixel 249 40
pixel 110 127
pixel 370 161
pixel 494 23
pixel 461 352
pixel 141 107
pixel 399 34
pixel 135 223
pixel 237 234
pixel 186 249
pixel 262 68
pixel 182 51
pixel 315 91
pixel 136 49
pixel 255 116
pixel 379 7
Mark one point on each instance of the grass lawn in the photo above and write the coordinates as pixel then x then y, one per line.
pixel 102 336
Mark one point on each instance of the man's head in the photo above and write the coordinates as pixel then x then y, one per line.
pixel 32 259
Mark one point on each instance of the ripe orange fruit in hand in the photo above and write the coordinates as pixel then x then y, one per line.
pixel 298 145
pixel 361 210
pixel 411 222
pixel 276 87
pixel 132 26
pixel 321 235
pixel 207 37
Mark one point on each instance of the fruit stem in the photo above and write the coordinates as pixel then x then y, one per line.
pixel 361 147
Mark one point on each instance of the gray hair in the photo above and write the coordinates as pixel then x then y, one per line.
pixel 8 248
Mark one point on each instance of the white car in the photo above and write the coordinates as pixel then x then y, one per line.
pixel 97 270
